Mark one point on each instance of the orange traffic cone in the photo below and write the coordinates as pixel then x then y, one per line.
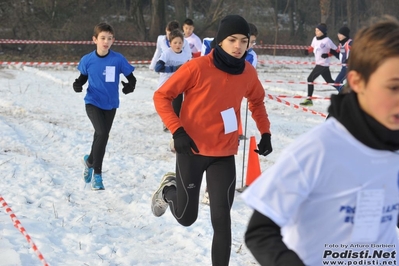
pixel 253 167
pixel 240 129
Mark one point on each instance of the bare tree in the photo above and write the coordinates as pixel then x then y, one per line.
pixel 324 10
pixel 180 10
pixel 136 10
pixel 291 9
pixel 190 9
pixel 157 18
pixel 214 13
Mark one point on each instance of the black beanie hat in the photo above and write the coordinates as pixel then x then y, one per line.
pixel 344 31
pixel 232 24
pixel 323 28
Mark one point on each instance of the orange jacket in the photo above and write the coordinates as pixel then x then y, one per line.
pixel 207 92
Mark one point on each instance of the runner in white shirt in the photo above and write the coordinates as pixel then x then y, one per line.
pixel 193 40
pixel 163 43
pixel 321 46
pixel 170 60
pixel 332 198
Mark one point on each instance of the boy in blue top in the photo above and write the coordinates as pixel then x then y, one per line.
pixel 252 57
pixel 102 68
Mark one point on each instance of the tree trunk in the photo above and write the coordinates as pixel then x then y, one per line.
pixel 290 5
pixel 349 13
pixel 136 10
pixel 180 9
pixel 324 10
pixel 190 9
pixel 157 26
pixel 274 3
pixel 214 13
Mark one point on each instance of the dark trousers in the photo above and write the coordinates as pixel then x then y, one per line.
pixel 324 71
pixel 340 78
pixel 102 122
pixel 184 200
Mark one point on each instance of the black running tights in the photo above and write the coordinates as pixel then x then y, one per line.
pixel 221 181
pixel 102 122
pixel 324 71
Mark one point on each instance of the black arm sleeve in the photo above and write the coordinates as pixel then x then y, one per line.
pixel 334 53
pixel 82 79
pixel 264 240
pixel 132 79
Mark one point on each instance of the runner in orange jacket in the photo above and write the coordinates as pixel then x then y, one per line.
pixel 206 133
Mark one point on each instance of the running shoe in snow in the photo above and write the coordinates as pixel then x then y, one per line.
pixel 88 171
pixel 158 203
pixel 97 183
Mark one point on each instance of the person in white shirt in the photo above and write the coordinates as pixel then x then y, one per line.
pixel 163 43
pixel 193 40
pixel 333 195
pixel 170 60
pixel 321 46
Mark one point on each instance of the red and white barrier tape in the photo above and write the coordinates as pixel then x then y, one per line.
pixel 302 97
pixel 116 42
pixel 272 97
pixel 136 62
pixel 18 225
pixel 281 46
pixel 283 62
pixel 137 43
pixel 303 82
pixel 3 63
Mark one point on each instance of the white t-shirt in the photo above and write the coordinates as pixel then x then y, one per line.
pixel 320 47
pixel 311 193
pixel 171 59
pixel 195 43
pixel 163 45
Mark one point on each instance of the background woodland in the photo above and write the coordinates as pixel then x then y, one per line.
pixel 289 22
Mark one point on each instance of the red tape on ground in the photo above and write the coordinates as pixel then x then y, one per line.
pixel 303 82
pixel 272 97
pixel 301 97
pixel 18 225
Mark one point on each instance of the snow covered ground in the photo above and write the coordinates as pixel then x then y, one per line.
pixel 45 132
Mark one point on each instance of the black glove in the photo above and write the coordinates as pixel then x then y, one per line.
pixel 265 145
pixel 127 87
pixel 306 52
pixel 324 55
pixel 77 87
pixel 183 143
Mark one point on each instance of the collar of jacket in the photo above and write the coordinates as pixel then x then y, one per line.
pixel 228 63
pixel 345 108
